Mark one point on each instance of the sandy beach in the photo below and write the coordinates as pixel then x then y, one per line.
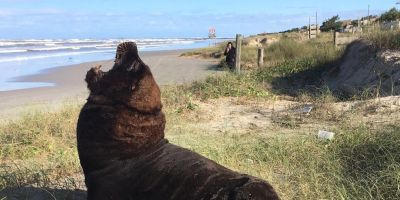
pixel 167 67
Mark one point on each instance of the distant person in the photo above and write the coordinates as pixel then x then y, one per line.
pixel 230 53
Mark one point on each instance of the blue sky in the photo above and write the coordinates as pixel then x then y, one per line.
pixel 23 19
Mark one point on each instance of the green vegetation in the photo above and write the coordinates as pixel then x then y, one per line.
pixel 359 164
pixel 39 149
pixel 331 24
pixel 294 30
pixel 362 162
pixel 334 22
pixel 289 49
pixel 228 85
pixel 282 59
pixel 390 15
pixel 206 52
pixel 39 133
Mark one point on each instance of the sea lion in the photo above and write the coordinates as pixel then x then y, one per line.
pixel 124 154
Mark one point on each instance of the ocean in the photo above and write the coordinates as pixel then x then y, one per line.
pixel 26 57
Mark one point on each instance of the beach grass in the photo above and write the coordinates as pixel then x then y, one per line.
pixel 39 150
pixel 283 59
pixel 359 164
pixel 389 39
pixel 362 162
pixel 206 52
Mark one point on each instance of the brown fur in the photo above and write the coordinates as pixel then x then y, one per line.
pixel 123 152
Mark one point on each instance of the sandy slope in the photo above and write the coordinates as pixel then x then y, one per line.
pixel 365 68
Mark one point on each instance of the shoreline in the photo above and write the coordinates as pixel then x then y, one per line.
pixel 39 76
pixel 167 67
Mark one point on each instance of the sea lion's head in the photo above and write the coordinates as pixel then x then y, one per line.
pixel 123 116
pixel 126 55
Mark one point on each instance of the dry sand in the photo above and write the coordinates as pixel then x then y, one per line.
pixel 167 67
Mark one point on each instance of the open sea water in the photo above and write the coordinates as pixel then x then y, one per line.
pixel 26 57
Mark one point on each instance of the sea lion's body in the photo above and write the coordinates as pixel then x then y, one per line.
pixel 123 152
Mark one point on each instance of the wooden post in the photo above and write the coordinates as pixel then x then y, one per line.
pixel 335 38
pixel 238 52
pixel 309 27
pixel 260 57
pixel 316 24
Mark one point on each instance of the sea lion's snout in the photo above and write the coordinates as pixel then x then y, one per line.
pixel 118 57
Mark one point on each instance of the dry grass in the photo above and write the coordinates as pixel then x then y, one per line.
pixel 362 162
pixel 206 52
pixel 39 150
pixel 384 39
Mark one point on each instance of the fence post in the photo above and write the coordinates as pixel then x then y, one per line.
pixel 335 38
pixel 309 27
pixel 238 52
pixel 260 57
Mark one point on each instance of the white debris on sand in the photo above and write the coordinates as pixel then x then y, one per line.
pixel 325 135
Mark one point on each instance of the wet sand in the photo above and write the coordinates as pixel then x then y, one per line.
pixel 167 67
